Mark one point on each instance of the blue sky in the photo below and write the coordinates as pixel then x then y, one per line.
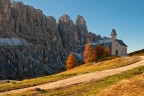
pixel 126 16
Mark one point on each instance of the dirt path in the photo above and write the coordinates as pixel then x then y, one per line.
pixel 79 79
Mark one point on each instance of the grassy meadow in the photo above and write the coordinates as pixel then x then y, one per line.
pixel 83 69
pixel 88 89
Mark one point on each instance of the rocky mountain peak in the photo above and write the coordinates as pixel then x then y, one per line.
pixel 82 29
pixel 32 44
pixel 81 24
pixel 80 20
pixel 65 18
pixel 68 32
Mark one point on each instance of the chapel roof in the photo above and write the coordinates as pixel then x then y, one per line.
pixel 121 42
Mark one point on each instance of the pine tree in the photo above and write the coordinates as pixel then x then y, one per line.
pixel 71 62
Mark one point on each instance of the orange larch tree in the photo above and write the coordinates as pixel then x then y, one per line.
pixel 89 53
pixel 71 62
pixel 107 51
pixel 100 51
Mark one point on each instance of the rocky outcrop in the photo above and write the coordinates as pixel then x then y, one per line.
pixel 32 44
pixel 19 62
pixel 82 29
pixel 68 32
pixel 74 35
pixel 99 37
pixel 92 37
pixel 45 56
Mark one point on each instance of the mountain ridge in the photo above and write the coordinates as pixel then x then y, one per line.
pixel 48 42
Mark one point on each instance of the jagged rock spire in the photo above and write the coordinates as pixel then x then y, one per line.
pixel 81 24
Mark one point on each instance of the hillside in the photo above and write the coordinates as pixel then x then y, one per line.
pixel 137 53
pixel 127 87
pixel 33 45
pixel 77 72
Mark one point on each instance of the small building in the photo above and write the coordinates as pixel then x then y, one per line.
pixel 118 47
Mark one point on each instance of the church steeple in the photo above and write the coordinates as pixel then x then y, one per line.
pixel 114 42
pixel 114 35
pixel 113 32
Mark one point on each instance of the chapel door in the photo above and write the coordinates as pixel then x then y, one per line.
pixel 116 52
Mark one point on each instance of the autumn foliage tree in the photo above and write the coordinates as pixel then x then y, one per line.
pixel 107 51
pixel 89 53
pixel 71 62
pixel 100 51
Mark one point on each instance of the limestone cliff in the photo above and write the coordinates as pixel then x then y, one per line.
pixel 82 29
pixel 68 32
pixel 44 53
pixel 32 44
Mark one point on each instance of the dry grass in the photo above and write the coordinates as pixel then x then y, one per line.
pixel 103 65
pixel 94 87
pixel 83 69
pixel 137 53
pixel 132 87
